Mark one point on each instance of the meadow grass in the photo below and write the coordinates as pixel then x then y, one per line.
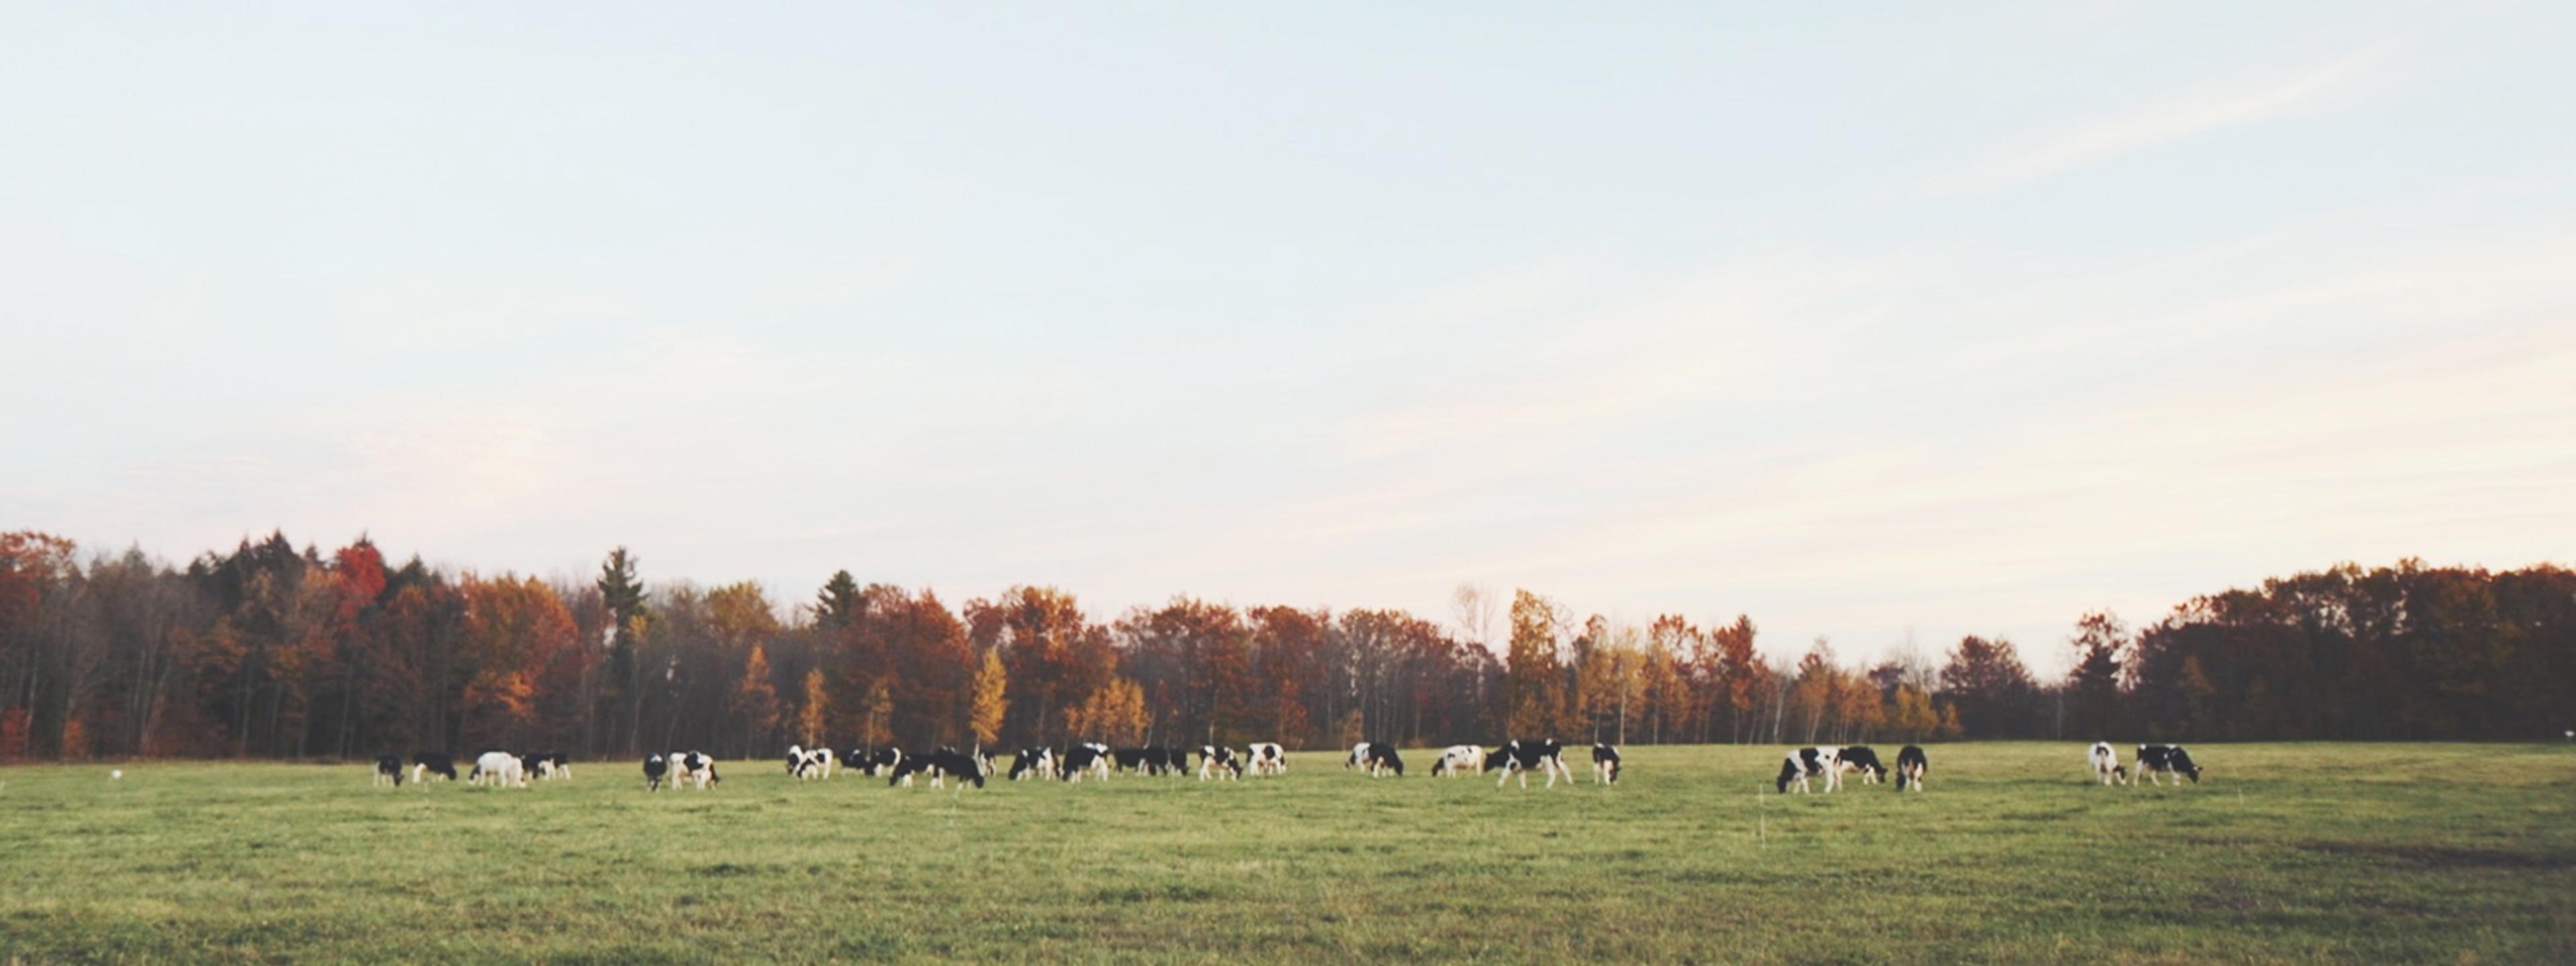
pixel 2346 852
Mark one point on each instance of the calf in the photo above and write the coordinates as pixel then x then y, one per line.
pixel 1605 763
pixel 500 769
pixel 1219 761
pixel 1910 766
pixel 1520 756
pixel 692 766
pixel 427 763
pixel 1379 759
pixel 654 768
pixel 1459 759
pixel 2156 761
pixel 1268 758
pixel 2106 764
pixel 1862 759
pixel 1806 763
pixel 389 769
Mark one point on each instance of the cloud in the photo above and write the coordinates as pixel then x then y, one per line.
pixel 2156 124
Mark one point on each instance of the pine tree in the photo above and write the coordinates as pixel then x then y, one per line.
pixel 624 596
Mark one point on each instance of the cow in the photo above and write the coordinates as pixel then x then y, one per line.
pixel 1520 756
pixel 1605 763
pixel 427 763
pixel 873 763
pixel 1359 756
pixel 1127 759
pixel 694 767
pixel 1379 759
pixel 558 765
pixel 1806 763
pixel 2106 764
pixel 655 767
pixel 1088 758
pixel 1862 759
pixel 500 769
pixel 389 769
pixel 1910 766
pixel 1459 759
pixel 943 764
pixel 1267 758
pixel 1033 763
pixel 1219 761
pixel 1167 761
pixel 535 765
pixel 2156 761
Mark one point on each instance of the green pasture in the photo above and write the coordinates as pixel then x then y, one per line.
pixel 2286 852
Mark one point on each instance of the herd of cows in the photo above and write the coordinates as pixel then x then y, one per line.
pixel 1519 757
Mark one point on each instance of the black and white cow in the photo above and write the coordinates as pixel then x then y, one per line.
pixel 500 769
pixel 1910 766
pixel 1089 758
pixel 1033 763
pixel 1605 763
pixel 2155 761
pixel 942 764
pixel 874 763
pixel 690 766
pixel 533 764
pixel 1219 761
pixel 2105 762
pixel 655 768
pixel 1127 759
pixel 1379 759
pixel 1457 760
pixel 558 765
pixel 1268 758
pixel 1359 755
pixel 807 764
pixel 1168 761
pixel 427 763
pixel 389 769
pixel 1520 756
pixel 1805 763
pixel 1862 759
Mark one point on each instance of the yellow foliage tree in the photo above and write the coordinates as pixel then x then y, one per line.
pixel 990 702
pixel 755 701
pixel 816 710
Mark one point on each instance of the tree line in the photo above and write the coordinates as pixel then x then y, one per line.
pixel 274 651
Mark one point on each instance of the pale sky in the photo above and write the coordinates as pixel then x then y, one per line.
pixel 1867 323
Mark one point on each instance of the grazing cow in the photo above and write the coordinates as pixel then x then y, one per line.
pixel 1087 758
pixel 806 764
pixel 1359 756
pixel 534 765
pixel 1862 759
pixel 1806 763
pixel 1910 766
pixel 1268 758
pixel 694 767
pixel 427 763
pixel 1379 759
pixel 1605 763
pixel 655 767
pixel 2106 764
pixel 1218 761
pixel 874 763
pixel 389 769
pixel 2155 761
pixel 943 764
pixel 1168 761
pixel 1033 763
pixel 558 765
pixel 1127 759
pixel 1520 756
pixel 1459 759
pixel 499 768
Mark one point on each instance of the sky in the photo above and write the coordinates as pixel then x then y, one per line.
pixel 1877 325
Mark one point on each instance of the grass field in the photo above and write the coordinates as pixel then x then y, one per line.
pixel 2354 853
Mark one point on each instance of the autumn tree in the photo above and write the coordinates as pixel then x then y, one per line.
pixel 1986 681
pixel 991 700
pixel 1534 679
pixel 814 713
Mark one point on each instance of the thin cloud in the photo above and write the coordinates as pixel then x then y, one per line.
pixel 2150 126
